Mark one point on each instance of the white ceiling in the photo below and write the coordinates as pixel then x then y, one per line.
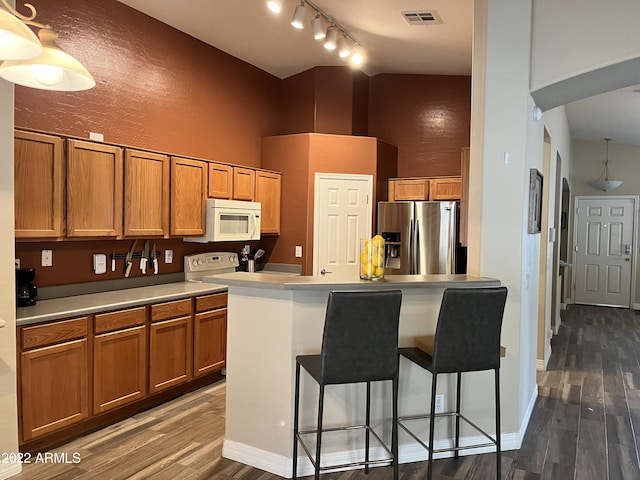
pixel 247 30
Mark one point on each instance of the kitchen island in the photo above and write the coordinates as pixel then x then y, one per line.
pixel 273 318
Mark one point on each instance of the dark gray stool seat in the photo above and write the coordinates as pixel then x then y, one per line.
pixel 359 345
pixel 467 340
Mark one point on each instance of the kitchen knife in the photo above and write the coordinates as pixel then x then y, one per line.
pixel 128 262
pixel 154 259
pixel 144 258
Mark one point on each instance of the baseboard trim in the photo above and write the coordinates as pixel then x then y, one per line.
pixel 636 306
pixel 9 470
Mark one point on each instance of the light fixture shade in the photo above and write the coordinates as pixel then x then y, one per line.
pixel 358 56
pixel 606 185
pixel 53 70
pixel 318 28
pixel 275 5
pixel 299 14
pixel 17 41
pixel 343 48
pixel 332 38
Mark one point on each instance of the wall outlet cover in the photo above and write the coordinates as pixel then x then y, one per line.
pixel 47 258
pixel 168 256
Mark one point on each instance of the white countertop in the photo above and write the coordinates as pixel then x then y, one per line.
pixel 65 307
pixel 297 282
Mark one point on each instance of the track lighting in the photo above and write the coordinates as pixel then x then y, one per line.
pixel 346 44
pixel 318 28
pixel 332 37
pixel 343 48
pixel 299 15
pixel 47 66
pixel 275 5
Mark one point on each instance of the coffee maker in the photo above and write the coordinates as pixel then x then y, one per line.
pixel 26 292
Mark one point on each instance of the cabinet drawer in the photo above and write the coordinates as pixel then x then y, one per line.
pixel 163 311
pixel 57 332
pixel 211 302
pixel 106 322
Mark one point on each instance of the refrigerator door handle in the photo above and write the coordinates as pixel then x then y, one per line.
pixel 414 246
pixel 451 251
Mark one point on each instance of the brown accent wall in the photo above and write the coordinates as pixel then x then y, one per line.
pixel 304 155
pixel 157 88
pixel 331 100
pixel 427 116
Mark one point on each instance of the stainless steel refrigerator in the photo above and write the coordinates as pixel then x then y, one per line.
pixel 421 237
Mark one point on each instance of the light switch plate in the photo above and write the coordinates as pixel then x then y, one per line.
pixel 99 263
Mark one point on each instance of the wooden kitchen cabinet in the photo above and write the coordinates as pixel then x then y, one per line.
pixel 445 188
pixel 244 180
pixel 188 196
pixel 146 194
pixel 38 185
pixel 268 193
pixel 170 345
pixel 94 189
pixel 210 334
pixel 409 189
pixel 54 379
pixel 220 181
pixel 119 358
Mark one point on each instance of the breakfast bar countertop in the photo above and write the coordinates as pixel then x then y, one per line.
pixel 77 305
pixel 296 282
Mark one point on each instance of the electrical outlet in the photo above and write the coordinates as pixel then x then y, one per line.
pixel 168 256
pixel 439 403
pixel 47 258
pixel 298 251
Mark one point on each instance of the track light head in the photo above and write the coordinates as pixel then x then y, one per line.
pixel 299 15
pixel 358 56
pixel 343 47
pixel 332 37
pixel 318 28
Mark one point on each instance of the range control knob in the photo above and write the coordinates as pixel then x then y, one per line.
pixel 200 262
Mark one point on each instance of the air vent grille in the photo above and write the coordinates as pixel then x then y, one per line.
pixel 422 17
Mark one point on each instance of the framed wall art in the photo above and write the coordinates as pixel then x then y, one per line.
pixel 535 201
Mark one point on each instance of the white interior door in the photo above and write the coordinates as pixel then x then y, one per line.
pixel 604 242
pixel 342 215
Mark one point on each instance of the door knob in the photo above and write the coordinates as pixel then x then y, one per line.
pixel 627 259
pixel 324 272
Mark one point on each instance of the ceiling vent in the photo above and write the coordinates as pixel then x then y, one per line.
pixel 422 17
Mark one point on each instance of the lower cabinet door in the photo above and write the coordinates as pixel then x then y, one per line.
pixel 210 341
pixel 119 367
pixel 54 387
pixel 170 353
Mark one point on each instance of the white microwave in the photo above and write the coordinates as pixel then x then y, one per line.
pixel 230 221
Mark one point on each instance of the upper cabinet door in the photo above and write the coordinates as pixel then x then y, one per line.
pixel 244 181
pixel 445 188
pixel 188 196
pixel 39 185
pixel 146 194
pixel 268 188
pixel 410 189
pixel 220 181
pixel 94 190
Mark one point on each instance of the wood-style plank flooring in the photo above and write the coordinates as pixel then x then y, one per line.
pixel 585 425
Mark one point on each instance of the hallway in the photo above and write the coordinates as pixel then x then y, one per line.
pixel 585 424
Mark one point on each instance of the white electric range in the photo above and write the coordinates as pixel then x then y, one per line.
pixel 199 265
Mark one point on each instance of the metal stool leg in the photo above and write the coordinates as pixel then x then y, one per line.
pixel 498 447
pixel 368 424
pixel 319 431
pixel 457 444
pixel 432 426
pixel 394 430
pixel 296 412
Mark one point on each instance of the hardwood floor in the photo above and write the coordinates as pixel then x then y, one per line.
pixel 585 425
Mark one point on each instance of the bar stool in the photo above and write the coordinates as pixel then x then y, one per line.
pixel 359 344
pixel 467 339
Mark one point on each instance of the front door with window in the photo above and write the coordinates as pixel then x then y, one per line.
pixel 605 237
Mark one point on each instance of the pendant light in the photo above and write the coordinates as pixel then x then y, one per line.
pixel 604 183
pixel 49 67
pixel 17 41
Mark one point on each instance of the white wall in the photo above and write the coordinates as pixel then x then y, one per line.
pixel 8 396
pixel 580 49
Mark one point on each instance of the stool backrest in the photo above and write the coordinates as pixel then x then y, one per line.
pixel 468 331
pixel 360 340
